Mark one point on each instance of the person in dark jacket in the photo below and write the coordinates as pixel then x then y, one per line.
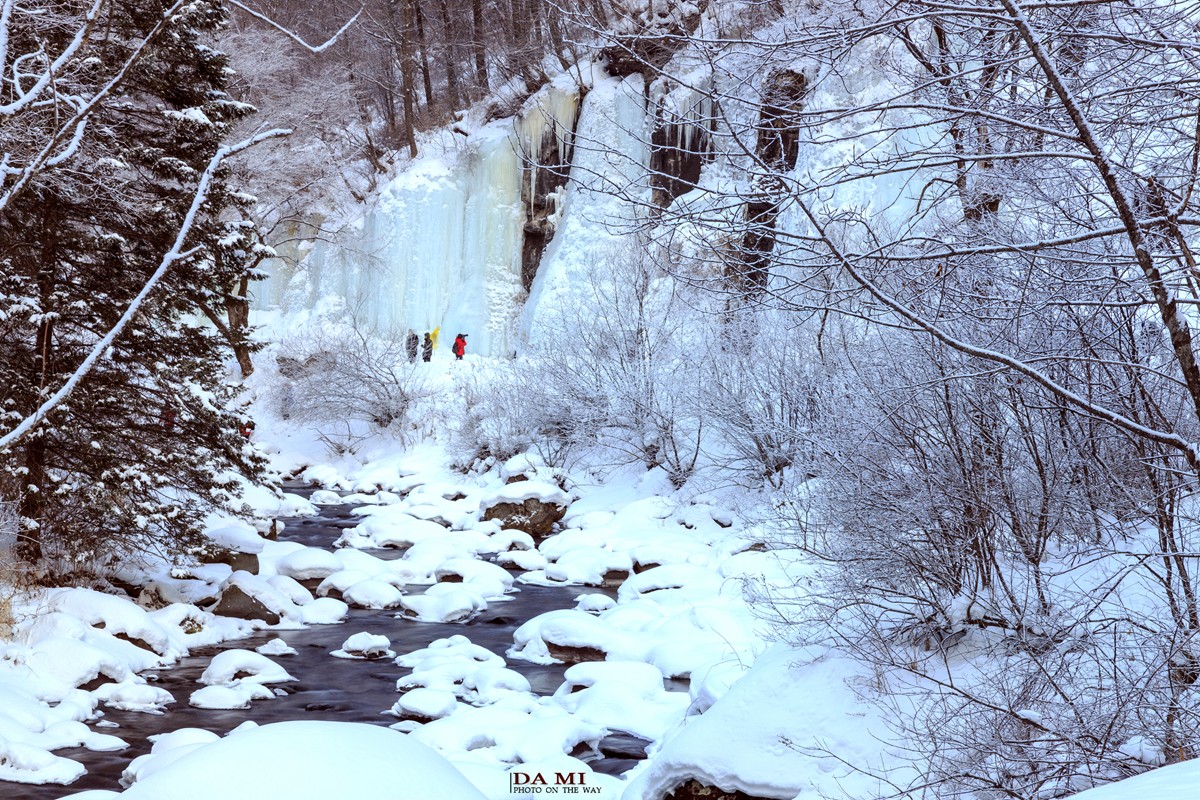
pixel 411 343
pixel 427 348
pixel 460 346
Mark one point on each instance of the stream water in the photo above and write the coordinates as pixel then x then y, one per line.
pixel 328 688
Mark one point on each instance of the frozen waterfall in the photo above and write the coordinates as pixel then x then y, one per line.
pixel 441 245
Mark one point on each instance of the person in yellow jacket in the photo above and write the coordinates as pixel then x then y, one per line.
pixel 434 336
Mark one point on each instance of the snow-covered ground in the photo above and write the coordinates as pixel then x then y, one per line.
pixel 679 614
pixel 758 717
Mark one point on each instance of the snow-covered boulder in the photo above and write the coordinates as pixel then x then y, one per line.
pixel 235 543
pixel 117 616
pixel 424 704
pixel 311 563
pixel 530 506
pixel 572 637
pixel 365 646
pixel 247 596
pixel 132 696
pixel 325 497
pixel 372 593
pixel 591 566
pixel 389 528
pixel 622 696
pixel 765 736
pixel 444 602
pixel 234 696
pixel 243 666
pixel 275 647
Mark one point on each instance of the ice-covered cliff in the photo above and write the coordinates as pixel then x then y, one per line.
pixel 444 243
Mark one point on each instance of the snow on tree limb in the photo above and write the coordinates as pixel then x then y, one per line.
pixel 76 125
pixel 292 35
pixel 176 253
pixel 1187 448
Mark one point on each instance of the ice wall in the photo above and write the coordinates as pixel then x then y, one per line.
pixel 441 245
pixel 609 170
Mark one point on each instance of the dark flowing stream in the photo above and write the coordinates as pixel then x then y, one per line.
pixel 328 688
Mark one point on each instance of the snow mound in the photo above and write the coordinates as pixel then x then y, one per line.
pixel 308 564
pixel 594 603
pixel 134 697
pixel 363 646
pixel 521 491
pixel 1174 782
pixel 445 602
pixel 22 763
pixel 590 566
pixel 233 696
pixel 324 611
pixel 306 759
pixel 325 497
pixel 238 536
pixel 453 648
pixel 426 704
pixel 275 647
pixel 622 697
pixel 114 615
pixel 389 528
pixel 764 737
pixel 576 629
pixel 520 731
pixel 372 593
pixel 242 666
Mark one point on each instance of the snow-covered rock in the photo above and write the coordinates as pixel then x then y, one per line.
pixel 365 646
pixel 530 506
pixel 242 666
pixel 425 704
pixel 372 593
pixel 444 602
pixel 311 563
pixel 764 737
pixel 134 697
pixel 275 647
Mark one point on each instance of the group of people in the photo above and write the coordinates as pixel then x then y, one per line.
pixel 413 344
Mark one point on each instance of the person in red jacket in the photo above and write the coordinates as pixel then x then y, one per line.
pixel 460 346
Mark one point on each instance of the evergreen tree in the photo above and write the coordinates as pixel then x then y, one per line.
pixel 149 441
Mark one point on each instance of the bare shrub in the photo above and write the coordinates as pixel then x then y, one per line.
pixel 349 382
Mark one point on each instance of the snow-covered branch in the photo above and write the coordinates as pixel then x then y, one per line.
pixel 176 253
pixel 312 48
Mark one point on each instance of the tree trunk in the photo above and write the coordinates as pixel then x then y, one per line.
pixel 449 57
pixel 32 505
pixel 481 76
pixel 237 309
pixel 402 31
pixel 423 46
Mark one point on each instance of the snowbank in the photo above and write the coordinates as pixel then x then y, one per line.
pixel 766 736
pixel 1176 782
pixel 306 760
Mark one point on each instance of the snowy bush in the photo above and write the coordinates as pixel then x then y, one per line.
pixel 623 381
pixel 497 421
pixel 766 387
pixel 348 381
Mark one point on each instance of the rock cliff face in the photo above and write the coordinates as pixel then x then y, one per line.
pixel 548 134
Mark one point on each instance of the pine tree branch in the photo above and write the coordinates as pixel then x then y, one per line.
pixel 176 253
